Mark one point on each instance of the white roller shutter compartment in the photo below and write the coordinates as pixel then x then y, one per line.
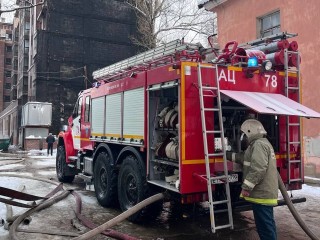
pixel 97 116
pixel 133 115
pixel 113 115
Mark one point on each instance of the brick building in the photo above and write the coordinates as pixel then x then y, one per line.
pixel 5 74
pixel 247 20
pixel 58 45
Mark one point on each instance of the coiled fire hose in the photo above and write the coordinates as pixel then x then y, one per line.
pixel 293 210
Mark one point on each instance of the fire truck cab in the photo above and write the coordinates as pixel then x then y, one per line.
pixel 163 120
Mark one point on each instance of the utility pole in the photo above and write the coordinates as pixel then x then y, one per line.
pixel 85 76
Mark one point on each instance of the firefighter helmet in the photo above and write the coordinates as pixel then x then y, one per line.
pixel 252 127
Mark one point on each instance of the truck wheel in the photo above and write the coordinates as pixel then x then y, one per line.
pixel 105 181
pixel 62 167
pixel 132 186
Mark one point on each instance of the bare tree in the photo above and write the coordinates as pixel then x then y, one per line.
pixel 164 20
pixel 8 6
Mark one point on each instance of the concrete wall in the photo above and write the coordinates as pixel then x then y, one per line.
pixel 237 20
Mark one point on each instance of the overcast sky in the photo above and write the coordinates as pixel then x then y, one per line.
pixel 7 4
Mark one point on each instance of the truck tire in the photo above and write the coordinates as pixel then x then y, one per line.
pixel 132 186
pixel 105 181
pixel 62 167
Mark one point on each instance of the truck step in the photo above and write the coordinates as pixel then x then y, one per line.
pixel 72 158
pixel 86 178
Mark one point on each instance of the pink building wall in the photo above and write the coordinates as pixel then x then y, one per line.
pixel 237 20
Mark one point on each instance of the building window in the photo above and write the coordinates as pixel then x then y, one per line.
pixel 8 73
pixel 25 64
pixel 25 81
pixel 8 86
pixel 270 24
pixel 7 98
pixel 9 48
pixel 27 26
pixel 8 61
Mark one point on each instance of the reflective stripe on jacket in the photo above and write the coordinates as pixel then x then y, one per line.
pixel 259 171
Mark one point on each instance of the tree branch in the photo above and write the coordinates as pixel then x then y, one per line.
pixel 20 8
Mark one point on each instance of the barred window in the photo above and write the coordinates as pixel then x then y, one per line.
pixel 270 24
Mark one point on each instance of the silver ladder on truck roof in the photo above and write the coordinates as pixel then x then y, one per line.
pixel 277 36
pixel 145 58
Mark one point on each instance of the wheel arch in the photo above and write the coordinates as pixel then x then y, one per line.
pixel 129 150
pixel 65 140
pixel 103 147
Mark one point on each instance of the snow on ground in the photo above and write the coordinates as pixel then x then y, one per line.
pixel 311 190
pixel 12 166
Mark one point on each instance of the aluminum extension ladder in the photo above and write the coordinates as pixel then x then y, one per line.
pixel 214 92
pixel 145 58
pixel 289 124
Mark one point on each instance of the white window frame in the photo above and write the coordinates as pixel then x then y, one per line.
pixel 272 28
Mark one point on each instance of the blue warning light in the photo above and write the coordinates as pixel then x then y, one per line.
pixel 253 62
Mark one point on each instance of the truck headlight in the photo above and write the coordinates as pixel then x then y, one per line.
pixel 267 65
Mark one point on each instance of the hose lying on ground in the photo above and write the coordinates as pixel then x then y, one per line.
pixel 109 232
pixel 91 225
pixel 41 206
pixel 294 211
pixel 121 217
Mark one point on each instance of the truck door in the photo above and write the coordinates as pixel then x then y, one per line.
pixel 76 124
pixel 85 124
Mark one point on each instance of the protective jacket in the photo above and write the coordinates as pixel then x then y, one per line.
pixel 259 171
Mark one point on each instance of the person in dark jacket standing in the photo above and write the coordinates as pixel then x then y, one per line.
pixel 50 140
pixel 260 184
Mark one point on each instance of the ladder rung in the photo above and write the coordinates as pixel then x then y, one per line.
pixel 219 202
pixel 218 177
pixel 215 154
pixel 209 88
pixel 213 131
pixel 294 142
pixel 211 109
pixel 295 180
pixel 223 226
pixel 295 161
pixel 294 124
pixel 293 88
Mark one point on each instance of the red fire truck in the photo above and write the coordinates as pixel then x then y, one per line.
pixel 163 120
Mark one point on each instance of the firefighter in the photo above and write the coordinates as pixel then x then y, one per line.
pixel 50 140
pixel 260 184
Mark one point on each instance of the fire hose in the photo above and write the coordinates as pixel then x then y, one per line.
pixel 48 203
pixel 102 228
pixel 121 217
pixel 293 210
